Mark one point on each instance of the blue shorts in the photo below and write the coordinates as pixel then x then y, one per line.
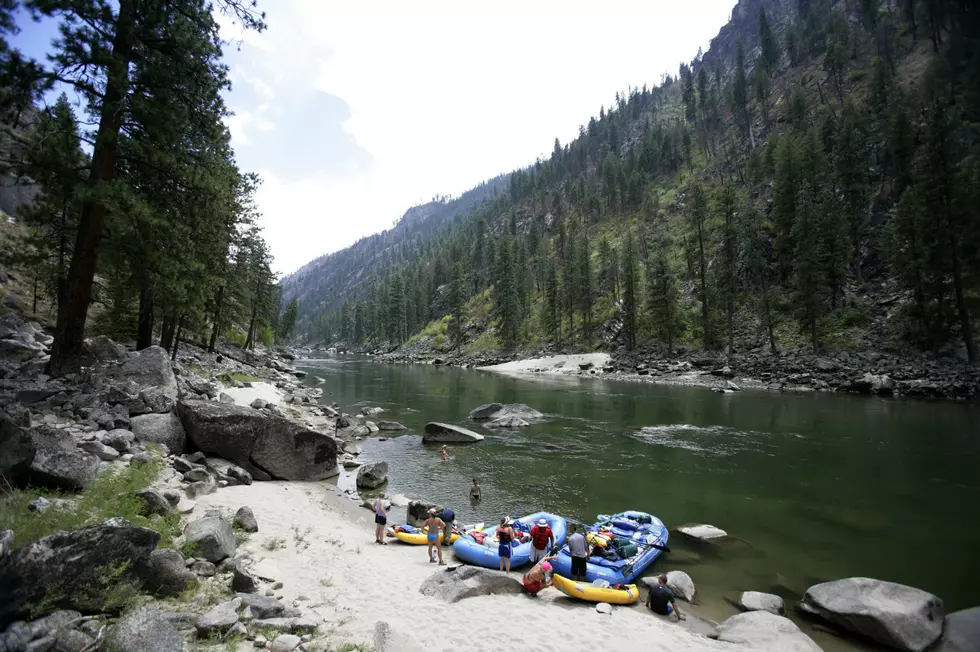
pixel 431 537
pixel 503 550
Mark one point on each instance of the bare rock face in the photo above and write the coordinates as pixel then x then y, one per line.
pixel 58 464
pixel 755 601
pixel 150 368
pixel 163 429
pixel 899 616
pixel 765 632
pixel 165 573
pixel 265 445
pixel 372 475
pixel 961 632
pixel 146 630
pixel 210 538
pixel 69 569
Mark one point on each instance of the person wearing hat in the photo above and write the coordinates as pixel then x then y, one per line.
pixel 542 538
pixel 539 577
pixel 433 526
pixel 505 537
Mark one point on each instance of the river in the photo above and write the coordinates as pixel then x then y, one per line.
pixel 811 486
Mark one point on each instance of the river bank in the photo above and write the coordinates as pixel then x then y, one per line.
pixel 867 372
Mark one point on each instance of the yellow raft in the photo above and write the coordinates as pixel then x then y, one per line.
pixel 420 536
pixel 591 593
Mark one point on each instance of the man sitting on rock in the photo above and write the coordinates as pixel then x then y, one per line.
pixel 660 600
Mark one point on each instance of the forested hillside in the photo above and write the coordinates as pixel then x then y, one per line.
pixel 812 178
pixel 137 212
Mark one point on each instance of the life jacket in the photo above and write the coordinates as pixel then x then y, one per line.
pixel 503 536
pixel 540 536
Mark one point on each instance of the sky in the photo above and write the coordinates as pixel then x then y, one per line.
pixel 353 112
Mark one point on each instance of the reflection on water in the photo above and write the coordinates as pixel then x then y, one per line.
pixel 812 486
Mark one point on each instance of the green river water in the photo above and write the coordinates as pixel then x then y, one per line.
pixel 811 487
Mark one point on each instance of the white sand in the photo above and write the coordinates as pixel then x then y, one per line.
pixel 556 364
pixel 352 583
pixel 245 395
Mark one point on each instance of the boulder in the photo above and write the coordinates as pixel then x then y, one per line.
pixel 210 538
pixel 72 640
pixel 961 632
pixel 165 573
pixel 100 450
pixel 163 429
pixel 145 630
pixel 241 580
pixel 264 607
pixel 68 569
pixel 258 404
pixel 202 488
pixel 681 584
pixel 245 519
pixel 285 642
pixel 119 439
pixel 368 411
pixel 153 502
pixel 899 616
pixel 604 608
pixel 203 569
pixel 219 620
pixel 16 450
pixel 703 532
pixel 765 632
pixel 485 411
pixel 231 473
pixel 389 639
pixel 58 464
pixel 39 504
pixel 468 582
pixel 199 474
pixel 267 446
pixel 150 368
pixel 756 601
pixel 390 426
pixel 438 433
pixel 153 399
pixel 508 422
pixel 372 475
pixel 418 511
pixel 105 350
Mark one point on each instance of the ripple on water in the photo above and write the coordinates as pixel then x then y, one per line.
pixel 707 441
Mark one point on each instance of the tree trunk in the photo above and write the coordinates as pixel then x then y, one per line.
pixel 250 338
pixel 34 307
pixel 704 289
pixel 144 331
pixel 70 331
pixel 180 328
pixel 961 308
pixel 167 333
pixel 216 327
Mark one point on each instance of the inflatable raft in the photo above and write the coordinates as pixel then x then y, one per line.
pixel 628 594
pixel 481 549
pixel 418 536
pixel 633 540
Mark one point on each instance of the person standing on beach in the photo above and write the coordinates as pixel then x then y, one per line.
pixel 449 518
pixel 542 538
pixel 380 519
pixel 505 535
pixel 578 549
pixel 433 525
pixel 476 493
pixel 445 453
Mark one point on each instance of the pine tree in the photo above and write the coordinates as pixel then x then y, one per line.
pixel 457 299
pixel 631 292
pixel 662 294
pixel 767 43
pixel 740 93
pixel 727 212
pixel 288 320
pixel 757 238
pixel 851 178
pixel 608 269
pixel 397 318
pixel 696 212
pixel 506 296
pixel 784 191
pixel 551 310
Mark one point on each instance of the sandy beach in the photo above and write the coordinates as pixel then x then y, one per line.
pixel 330 566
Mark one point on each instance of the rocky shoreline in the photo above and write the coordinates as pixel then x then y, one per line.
pixel 869 373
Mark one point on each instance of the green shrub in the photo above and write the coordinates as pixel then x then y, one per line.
pixel 267 336
pixel 113 494
pixel 235 336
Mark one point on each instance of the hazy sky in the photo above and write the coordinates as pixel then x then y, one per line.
pixel 353 112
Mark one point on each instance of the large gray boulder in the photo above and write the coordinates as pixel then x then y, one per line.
pixel 210 538
pixel 16 450
pixel 756 601
pixel 219 620
pixel 267 446
pixel 961 632
pixel 677 581
pixel 264 606
pixel 163 429
pixel 69 569
pixel 418 511
pixel 145 630
pixel 702 532
pixel 165 573
pixel 372 475
pixel 242 581
pixel 762 631
pixel 468 582
pixel 501 411
pixel 150 368
pixel 105 350
pixel 390 639
pixel 438 433
pixel 121 440
pixel 245 519
pixel 58 463
pixel 508 422
pixel 230 473
pixel 899 616
pixel 390 426
pixel 486 411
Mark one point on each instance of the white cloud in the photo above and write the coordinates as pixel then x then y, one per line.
pixel 442 95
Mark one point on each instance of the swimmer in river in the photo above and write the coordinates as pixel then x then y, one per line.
pixel 476 493
pixel 445 453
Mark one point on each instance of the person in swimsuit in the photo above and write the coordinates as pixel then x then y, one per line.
pixel 380 519
pixel 445 453
pixel 476 493
pixel 539 577
pixel 505 535
pixel 434 525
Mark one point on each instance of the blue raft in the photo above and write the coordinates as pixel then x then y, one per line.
pixel 486 553
pixel 640 528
